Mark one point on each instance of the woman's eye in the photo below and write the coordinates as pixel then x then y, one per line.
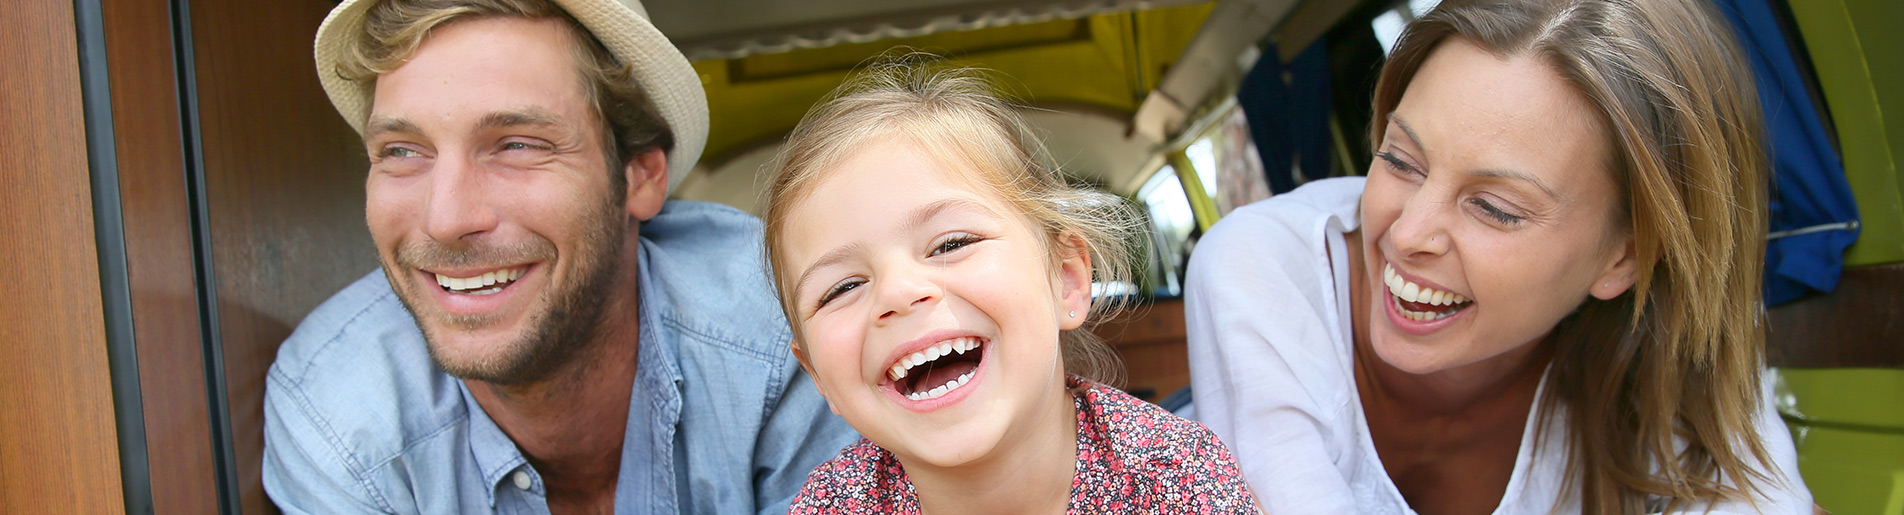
pixel 1397 164
pixel 955 243
pixel 1496 213
pixel 836 291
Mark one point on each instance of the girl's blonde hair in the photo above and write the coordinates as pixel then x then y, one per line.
pixel 1676 359
pixel 953 114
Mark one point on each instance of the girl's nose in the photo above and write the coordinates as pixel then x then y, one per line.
pixel 900 296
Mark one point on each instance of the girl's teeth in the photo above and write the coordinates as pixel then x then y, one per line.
pixel 943 389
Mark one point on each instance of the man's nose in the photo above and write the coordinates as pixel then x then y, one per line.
pixel 459 203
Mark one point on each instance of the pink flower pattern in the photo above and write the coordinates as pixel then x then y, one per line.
pixel 1133 457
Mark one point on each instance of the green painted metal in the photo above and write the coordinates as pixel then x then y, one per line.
pixel 1106 61
pixel 1855 47
pixel 1201 203
pixel 1848 424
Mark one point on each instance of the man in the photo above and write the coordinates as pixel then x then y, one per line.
pixel 547 334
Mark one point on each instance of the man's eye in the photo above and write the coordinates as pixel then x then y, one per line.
pixel 399 152
pixel 522 145
pixel 837 291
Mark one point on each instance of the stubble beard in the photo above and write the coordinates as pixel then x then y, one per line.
pixel 569 320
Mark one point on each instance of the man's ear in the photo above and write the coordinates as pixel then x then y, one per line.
pixel 1074 281
pixel 647 177
pixel 1619 274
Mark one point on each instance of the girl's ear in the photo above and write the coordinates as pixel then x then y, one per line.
pixel 1074 281
pixel 801 354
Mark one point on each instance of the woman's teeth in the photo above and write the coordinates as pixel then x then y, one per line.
pixel 485 284
pixel 904 367
pixel 943 389
pixel 1406 291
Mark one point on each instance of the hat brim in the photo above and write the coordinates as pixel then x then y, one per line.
pixel 664 73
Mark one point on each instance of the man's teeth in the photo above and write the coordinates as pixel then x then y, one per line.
pixel 483 282
pixel 943 389
pixel 904 367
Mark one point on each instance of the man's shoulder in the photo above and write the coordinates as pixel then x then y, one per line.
pixel 706 261
pixel 357 376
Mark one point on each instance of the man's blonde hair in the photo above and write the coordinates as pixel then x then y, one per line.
pixel 630 124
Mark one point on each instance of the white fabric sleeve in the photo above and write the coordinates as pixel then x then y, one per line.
pixel 1254 334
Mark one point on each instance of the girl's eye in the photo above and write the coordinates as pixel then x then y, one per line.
pixel 1496 213
pixel 955 243
pixel 836 291
pixel 1397 164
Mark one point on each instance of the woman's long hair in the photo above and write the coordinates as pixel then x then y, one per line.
pixel 1676 360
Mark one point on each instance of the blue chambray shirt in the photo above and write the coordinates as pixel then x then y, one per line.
pixel 722 419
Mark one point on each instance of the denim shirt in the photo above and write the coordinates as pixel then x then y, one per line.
pixel 358 419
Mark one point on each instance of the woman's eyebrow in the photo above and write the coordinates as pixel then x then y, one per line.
pixel 1520 176
pixel 1410 132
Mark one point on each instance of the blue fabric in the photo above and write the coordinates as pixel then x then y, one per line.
pixel 1809 186
pixel 1287 107
pixel 721 420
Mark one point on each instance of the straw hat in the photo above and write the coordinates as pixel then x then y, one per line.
pixel 621 25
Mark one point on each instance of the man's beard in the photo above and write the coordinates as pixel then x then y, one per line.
pixel 571 315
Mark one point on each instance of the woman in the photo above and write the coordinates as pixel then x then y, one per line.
pixel 1543 297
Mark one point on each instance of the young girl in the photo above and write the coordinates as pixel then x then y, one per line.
pixel 937 274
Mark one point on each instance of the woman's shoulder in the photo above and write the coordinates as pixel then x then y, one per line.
pixel 1290 231
pixel 862 478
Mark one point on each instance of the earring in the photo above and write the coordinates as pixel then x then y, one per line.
pixel 1074 314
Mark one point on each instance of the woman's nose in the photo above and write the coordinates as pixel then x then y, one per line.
pixel 1421 229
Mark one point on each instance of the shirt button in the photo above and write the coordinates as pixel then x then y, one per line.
pixel 522 480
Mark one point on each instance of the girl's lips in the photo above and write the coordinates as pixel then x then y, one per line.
pixel 893 387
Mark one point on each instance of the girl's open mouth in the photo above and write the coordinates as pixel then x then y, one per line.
pixel 935 371
pixel 1421 303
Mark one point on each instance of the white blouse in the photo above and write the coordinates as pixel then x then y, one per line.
pixel 1270 343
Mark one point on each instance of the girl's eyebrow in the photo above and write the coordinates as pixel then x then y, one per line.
pixel 917 218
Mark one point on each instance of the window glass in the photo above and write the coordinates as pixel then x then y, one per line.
pixel 1171 222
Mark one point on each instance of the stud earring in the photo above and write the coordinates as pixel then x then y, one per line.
pixel 1074 314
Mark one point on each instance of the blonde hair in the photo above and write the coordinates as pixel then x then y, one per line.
pixel 630 124
pixel 1677 358
pixel 953 114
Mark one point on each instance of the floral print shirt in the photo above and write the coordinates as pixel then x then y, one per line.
pixel 1133 457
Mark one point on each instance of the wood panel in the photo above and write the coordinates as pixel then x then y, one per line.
pixel 1861 324
pixel 1152 342
pixel 284 178
pixel 59 451
pixel 158 233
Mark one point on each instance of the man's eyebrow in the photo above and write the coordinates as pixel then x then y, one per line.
pixel 378 126
pixel 1521 176
pixel 917 218
pixel 517 118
